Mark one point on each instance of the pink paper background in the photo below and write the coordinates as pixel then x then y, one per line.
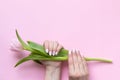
pixel 93 26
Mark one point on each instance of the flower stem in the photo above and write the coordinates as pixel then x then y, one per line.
pixel 98 59
pixel 86 58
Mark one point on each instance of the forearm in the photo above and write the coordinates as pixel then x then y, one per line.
pixel 53 73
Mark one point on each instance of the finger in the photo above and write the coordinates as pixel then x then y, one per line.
pixel 50 47
pixel 58 48
pixel 55 44
pixel 75 61
pixel 85 65
pixel 46 46
pixel 70 63
pixel 81 65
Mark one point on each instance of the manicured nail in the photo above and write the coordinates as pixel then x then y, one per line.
pixel 56 53
pixel 53 53
pixel 73 50
pixel 50 53
pixel 69 51
pixel 46 50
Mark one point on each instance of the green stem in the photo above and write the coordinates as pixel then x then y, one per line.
pixel 56 58
pixel 98 59
pixel 86 58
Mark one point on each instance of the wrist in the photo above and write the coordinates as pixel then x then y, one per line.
pixel 50 68
pixel 53 73
pixel 55 65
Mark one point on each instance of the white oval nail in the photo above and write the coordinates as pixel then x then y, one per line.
pixel 47 50
pixel 69 51
pixel 50 53
pixel 56 53
pixel 53 53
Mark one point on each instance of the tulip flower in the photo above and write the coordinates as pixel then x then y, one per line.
pixel 38 53
pixel 16 46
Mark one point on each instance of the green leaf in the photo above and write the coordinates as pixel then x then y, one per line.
pixel 37 48
pixel 24 45
pixel 21 61
pixel 62 53
pixel 30 57
pixel 37 61
pixel 38 53
pixel 38 57
pixel 40 49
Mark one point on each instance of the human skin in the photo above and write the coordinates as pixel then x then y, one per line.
pixel 77 66
pixel 53 68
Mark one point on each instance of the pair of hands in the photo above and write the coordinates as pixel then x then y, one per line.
pixel 77 64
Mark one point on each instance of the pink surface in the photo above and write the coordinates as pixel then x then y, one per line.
pixel 93 26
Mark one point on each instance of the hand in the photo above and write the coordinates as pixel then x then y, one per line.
pixel 77 66
pixel 52 48
pixel 53 68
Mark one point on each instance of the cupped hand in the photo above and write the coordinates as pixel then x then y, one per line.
pixel 77 66
pixel 52 48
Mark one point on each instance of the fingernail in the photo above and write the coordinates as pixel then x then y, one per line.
pixel 69 51
pixel 46 50
pixel 73 50
pixel 53 53
pixel 50 53
pixel 56 53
